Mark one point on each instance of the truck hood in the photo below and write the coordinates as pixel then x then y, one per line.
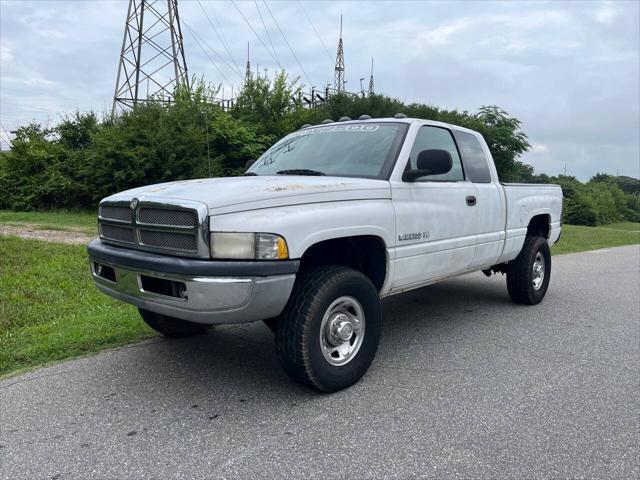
pixel 234 194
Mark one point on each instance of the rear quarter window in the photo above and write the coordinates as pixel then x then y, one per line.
pixel 475 162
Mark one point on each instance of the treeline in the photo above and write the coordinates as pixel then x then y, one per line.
pixel 602 200
pixel 82 159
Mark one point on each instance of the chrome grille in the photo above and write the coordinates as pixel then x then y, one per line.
pixel 115 212
pixel 169 240
pixel 117 233
pixel 167 218
pixel 176 227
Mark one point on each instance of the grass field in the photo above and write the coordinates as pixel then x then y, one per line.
pixel 51 311
pixel 576 238
pixel 629 226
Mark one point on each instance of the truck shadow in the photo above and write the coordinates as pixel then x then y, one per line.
pixel 238 364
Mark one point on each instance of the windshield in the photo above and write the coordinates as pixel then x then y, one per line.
pixel 353 150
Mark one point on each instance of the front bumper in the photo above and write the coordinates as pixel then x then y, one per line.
pixel 201 291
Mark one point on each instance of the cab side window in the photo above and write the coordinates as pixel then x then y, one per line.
pixel 475 161
pixel 436 138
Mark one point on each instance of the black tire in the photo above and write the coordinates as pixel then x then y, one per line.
pixel 298 341
pixel 520 274
pixel 170 326
pixel 272 324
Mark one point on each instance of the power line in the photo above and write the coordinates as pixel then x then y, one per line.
pixel 5 132
pixel 316 31
pixel 265 28
pixel 287 42
pixel 214 51
pixel 215 17
pixel 256 34
pixel 233 60
pixel 198 39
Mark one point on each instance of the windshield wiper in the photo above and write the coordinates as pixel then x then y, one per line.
pixel 299 171
pixel 249 174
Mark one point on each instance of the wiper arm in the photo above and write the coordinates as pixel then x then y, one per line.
pixel 249 174
pixel 300 171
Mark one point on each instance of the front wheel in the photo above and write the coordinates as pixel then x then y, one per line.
pixel 529 274
pixel 329 331
pixel 170 326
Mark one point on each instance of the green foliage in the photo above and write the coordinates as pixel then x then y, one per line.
pixel 626 184
pixel 600 201
pixel 266 104
pixel 82 159
pixel 50 310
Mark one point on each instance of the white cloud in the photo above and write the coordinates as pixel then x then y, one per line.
pixel 52 34
pixel 607 14
pixel 444 34
pixel 6 55
pixel 539 148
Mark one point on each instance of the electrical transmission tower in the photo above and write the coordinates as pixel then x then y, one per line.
pixel 371 92
pixel 247 73
pixel 339 81
pixel 152 61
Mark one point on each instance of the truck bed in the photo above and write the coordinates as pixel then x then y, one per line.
pixel 523 202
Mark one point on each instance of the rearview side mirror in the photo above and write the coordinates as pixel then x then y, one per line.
pixel 430 162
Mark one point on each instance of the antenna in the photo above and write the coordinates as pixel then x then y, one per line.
pixel 371 92
pixel 152 53
pixel 339 82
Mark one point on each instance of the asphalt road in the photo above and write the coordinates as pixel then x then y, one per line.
pixel 465 385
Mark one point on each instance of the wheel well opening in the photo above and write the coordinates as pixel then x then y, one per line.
pixel 539 225
pixel 366 253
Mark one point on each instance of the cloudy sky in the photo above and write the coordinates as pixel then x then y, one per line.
pixel 570 71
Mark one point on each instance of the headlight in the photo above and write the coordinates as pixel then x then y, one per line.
pixel 248 246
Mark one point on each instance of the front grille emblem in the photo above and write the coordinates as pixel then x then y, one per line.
pixel 133 204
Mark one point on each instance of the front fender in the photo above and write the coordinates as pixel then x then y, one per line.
pixel 304 225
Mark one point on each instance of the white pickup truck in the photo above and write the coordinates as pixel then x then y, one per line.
pixel 327 222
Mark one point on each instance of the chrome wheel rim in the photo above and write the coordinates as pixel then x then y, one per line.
pixel 538 271
pixel 342 331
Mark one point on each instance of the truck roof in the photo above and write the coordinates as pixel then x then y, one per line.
pixel 406 120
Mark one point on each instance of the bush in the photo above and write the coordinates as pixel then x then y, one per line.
pixel 580 210
pixel 597 202
pixel 82 160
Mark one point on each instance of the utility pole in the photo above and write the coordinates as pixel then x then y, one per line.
pixel 339 82
pixel 152 54
pixel 371 92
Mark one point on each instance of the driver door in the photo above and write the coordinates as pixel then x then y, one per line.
pixel 436 221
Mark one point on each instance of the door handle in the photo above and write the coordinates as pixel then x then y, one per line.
pixel 471 200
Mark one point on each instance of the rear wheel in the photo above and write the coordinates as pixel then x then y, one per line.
pixel 170 326
pixel 529 274
pixel 329 331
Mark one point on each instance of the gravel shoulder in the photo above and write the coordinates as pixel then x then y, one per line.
pixel 36 232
